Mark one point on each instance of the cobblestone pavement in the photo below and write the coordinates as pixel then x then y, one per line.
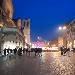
pixel 51 63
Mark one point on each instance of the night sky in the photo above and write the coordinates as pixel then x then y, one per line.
pixel 45 16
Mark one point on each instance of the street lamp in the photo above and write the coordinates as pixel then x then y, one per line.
pixel 62 28
pixel 39 38
pixel 64 35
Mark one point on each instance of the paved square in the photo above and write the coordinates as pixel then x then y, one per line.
pixel 51 63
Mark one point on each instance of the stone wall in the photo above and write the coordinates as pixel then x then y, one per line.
pixel 8 7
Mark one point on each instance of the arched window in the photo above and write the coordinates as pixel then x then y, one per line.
pixel 24 24
pixel 27 24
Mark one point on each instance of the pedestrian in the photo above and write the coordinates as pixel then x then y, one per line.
pixel 66 52
pixel 5 51
pixel 23 50
pixel 40 51
pixel 26 50
pixel 8 51
pixel 61 49
pixel 15 50
pixel 29 50
pixel 19 52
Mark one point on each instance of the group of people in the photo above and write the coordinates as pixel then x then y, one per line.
pixel 9 51
pixel 19 51
pixel 65 51
pixel 37 51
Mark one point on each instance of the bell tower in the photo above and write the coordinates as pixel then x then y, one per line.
pixel 26 26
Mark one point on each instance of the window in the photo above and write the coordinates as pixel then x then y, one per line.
pixel 27 24
pixel 24 24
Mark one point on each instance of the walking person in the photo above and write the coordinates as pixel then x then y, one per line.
pixel 8 51
pixel 26 50
pixel 36 50
pixel 19 52
pixel 61 49
pixel 15 50
pixel 5 51
pixel 68 50
pixel 23 50
pixel 29 50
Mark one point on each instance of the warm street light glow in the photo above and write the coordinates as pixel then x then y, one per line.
pixel 64 27
pixel 48 43
pixel 30 43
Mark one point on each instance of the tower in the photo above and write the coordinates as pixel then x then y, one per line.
pixel 26 30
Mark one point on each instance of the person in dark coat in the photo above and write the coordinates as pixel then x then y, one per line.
pixel 5 51
pixel 23 50
pixel 8 50
pixel 61 49
pixel 19 52
pixel 15 50
pixel 36 50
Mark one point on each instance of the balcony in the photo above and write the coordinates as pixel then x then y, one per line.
pixel 5 20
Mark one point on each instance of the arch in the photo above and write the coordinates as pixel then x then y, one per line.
pixel 10 37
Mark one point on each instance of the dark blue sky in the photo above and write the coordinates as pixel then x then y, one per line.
pixel 45 15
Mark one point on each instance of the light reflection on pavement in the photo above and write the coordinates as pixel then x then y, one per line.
pixel 51 63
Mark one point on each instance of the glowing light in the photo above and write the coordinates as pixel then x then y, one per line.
pixel 38 37
pixel 30 43
pixel 64 27
pixel 60 28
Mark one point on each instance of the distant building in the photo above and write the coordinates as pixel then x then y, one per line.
pixel 26 30
pixel 54 42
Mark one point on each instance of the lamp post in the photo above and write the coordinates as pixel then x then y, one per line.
pixel 64 31
pixel 39 38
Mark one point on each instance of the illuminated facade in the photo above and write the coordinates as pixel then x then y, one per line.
pixel 11 34
pixel 54 42
pixel 71 34
pixel 60 42
pixel 64 33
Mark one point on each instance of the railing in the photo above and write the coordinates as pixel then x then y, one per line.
pixel 5 20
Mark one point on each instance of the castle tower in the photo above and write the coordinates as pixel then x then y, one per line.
pixel 26 26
